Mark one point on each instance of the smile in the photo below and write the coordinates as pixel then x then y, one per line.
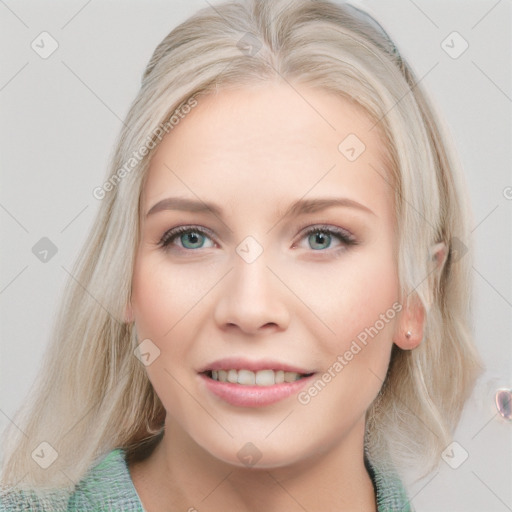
pixel 259 378
pixel 241 382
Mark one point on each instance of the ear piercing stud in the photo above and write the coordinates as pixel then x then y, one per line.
pixel 408 334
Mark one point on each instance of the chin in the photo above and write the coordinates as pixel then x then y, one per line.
pixel 262 454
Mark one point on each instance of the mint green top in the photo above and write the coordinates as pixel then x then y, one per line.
pixel 108 487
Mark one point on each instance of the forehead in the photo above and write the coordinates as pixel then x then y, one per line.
pixel 270 143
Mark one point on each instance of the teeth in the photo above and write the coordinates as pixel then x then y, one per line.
pixel 265 378
pixel 259 378
pixel 245 377
pixel 291 376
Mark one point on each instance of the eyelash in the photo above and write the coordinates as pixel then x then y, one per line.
pixel 342 235
pixel 173 233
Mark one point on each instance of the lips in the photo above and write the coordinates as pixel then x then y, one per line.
pixel 235 363
pixel 246 383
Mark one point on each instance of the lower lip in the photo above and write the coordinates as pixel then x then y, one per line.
pixel 253 396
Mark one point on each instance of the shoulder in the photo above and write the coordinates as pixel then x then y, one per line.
pixel 107 486
pixel 391 495
pixel 390 492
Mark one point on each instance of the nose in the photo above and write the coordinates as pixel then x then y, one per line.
pixel 252 299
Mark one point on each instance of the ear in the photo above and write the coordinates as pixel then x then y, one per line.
pixel 409 333
pixel 412 318
pixel 439 254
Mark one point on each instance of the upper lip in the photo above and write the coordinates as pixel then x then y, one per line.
pixel 235 363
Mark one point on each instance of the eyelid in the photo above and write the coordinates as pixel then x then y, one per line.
pixel 170 234
pixel 343 234
pixel 337 230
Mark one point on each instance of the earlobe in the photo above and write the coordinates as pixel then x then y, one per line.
pixel 412 320
pixel 410 327
pixel 410 339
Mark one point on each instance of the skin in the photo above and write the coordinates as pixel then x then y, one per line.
pixel 253 151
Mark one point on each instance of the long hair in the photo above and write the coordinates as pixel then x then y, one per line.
pixel 93 395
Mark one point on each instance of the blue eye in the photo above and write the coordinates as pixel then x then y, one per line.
pixel 189 238
pixel 192 240
pixel 319 240
pixel 321 237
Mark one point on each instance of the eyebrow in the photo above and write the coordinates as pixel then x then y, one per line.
pixel 185 205
pixel 301 206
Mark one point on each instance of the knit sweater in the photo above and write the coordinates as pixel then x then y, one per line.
pixel 108 487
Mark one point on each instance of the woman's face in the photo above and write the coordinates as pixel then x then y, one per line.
pixel 268 253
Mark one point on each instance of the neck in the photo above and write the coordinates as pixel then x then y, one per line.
pixel 180 475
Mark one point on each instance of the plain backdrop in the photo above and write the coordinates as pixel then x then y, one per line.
pixel 59 119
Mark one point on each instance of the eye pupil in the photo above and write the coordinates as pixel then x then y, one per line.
pixel 191 240
pixel 319 239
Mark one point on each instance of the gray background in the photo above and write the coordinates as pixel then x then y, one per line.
pixel 59 119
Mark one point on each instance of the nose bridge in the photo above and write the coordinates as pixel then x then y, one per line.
pixel 252 298
pixel 251 277
pixel 250 273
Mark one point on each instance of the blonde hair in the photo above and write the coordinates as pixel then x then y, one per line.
pixel 93 394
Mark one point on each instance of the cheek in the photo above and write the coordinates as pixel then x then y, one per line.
pixel 351 293
pixel 358 301
pixel 162 296
pixel 363 317
pixel 163 303
pixel 368 293
pixel 152 302
pixel 170 306
pixel 362 311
